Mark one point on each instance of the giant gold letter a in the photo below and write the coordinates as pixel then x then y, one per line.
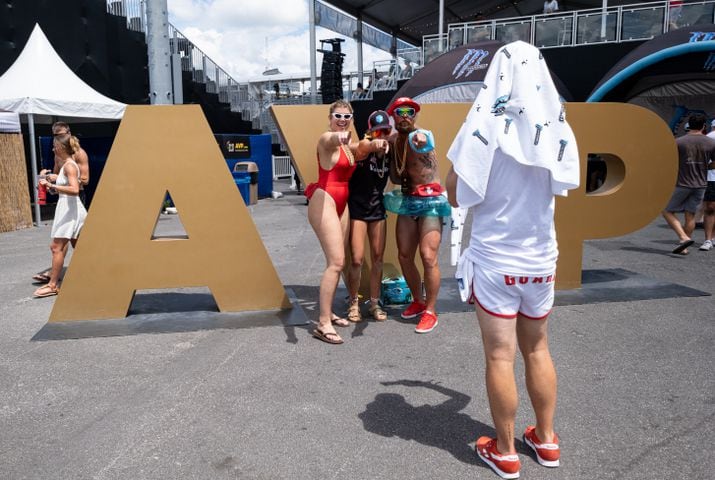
pixel 159 149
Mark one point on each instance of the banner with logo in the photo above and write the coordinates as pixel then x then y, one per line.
pixel 234 146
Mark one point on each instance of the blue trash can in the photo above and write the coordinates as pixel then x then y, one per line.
pixel 243 182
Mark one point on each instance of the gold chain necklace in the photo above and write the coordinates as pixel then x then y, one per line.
pixel 381 170
pixel 401 162
pixel 349 154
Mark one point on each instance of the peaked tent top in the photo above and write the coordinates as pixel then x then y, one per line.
pixel 39 82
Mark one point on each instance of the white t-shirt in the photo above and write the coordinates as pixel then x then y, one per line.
pixel 513 228
pixel 551 6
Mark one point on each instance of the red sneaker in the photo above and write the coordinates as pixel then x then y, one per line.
pixel 506 466
pixel 415 308
pixel 547 454
pixel 428 321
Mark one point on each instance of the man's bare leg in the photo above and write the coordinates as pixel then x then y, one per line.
pixel 540 373
pixel 499 339
pixel 709 220
pixel 430 237
pixel 675 224
pixel 689 226
pixel 407 233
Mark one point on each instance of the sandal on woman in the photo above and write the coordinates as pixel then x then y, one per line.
pixel 339 321
pixel 328 337
pixel 354 311
pixel 41 278
pixel 378 313
pixel 46 291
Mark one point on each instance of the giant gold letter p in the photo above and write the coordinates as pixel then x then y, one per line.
pixel 641 160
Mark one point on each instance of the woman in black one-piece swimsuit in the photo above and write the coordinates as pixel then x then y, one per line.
pixel 367 217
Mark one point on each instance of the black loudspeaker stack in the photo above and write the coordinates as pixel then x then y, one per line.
pixel 331 72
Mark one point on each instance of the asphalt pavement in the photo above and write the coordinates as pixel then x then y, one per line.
pixel 256 397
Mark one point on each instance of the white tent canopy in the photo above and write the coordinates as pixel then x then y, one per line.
pixel 40 83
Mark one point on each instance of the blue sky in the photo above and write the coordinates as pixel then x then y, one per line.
pixel 246 36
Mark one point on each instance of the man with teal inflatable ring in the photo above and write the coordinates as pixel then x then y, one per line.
pixel 419 204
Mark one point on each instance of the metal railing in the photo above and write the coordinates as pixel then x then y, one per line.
pixel 582 27
pixel 252 99
pixel 192 59
pixel 282 167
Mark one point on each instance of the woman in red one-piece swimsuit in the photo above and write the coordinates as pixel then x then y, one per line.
pixel 327 212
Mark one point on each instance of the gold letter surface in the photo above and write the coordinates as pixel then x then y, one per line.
pixel 159 149
pixel 641 158
pixel 639 180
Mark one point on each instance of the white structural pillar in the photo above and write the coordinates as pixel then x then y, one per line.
pixel 157 40
pixel 604 16
pixel 313 49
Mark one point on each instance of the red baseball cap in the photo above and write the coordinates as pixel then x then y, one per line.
pixel 402 101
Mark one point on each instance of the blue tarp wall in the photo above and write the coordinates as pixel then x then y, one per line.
pixel 250 148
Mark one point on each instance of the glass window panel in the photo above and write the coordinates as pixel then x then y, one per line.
pixel 588 28
pixel 456 37
pixel 511 32
pixel 553 32
pixel 686 15
pixel 642 23
pixel 431 48
pixel 479 33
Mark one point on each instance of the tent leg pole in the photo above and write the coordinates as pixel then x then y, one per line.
pixel 33 163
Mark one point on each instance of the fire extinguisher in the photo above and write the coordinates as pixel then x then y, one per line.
pixel 41 194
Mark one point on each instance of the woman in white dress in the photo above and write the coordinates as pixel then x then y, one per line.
pixel 69 213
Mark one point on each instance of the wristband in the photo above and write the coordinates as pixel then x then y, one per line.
pixel 428 147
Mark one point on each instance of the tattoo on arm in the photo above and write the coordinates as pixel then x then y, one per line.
pixel 428 159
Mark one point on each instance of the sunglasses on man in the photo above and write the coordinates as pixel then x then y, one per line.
pixel 405 112
pixel 341 116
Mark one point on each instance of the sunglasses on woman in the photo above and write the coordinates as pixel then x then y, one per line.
pixel 341 116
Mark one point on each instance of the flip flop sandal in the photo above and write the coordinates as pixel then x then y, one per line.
pixel 328 337
pixel 41 278
pixel 683 245
pixel 339 321
pixel 46 291
pixel 378 313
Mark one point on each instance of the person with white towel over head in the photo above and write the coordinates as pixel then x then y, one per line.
pixel 513 154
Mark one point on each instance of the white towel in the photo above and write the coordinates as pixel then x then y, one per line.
pixel 459 215
pixel 465 276
pixel 519 111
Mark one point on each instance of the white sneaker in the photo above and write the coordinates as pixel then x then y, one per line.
pixel 707 245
